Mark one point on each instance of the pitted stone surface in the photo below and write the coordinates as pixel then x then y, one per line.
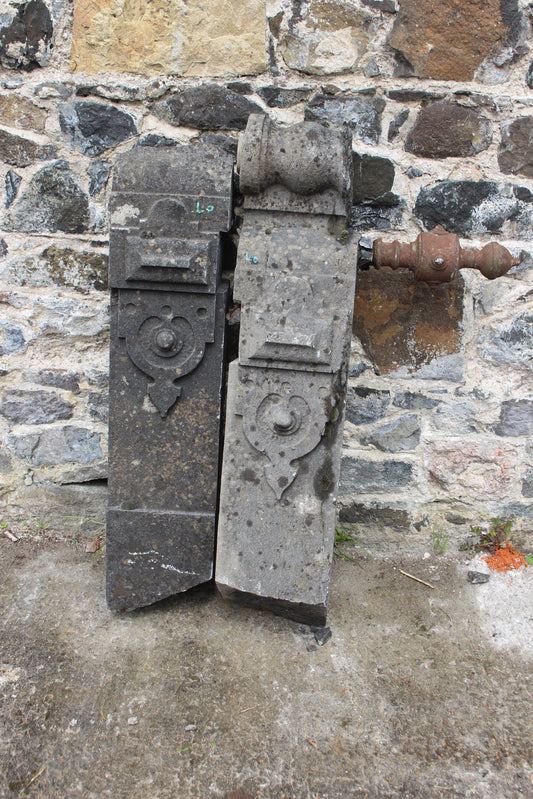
pixel 292 279
pixel 295 281
pixel 277 511
pixel 167 339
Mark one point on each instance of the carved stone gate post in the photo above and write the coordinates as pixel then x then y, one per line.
pixel 295 278
pixel 167 335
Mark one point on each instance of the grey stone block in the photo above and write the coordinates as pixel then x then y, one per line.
pixel 277 503
pixel 516 418
pixel 53 201
pixel 292 278
pixel 94 127
pixel 369 477
pixel 285 406
pixel 364 405
pixel 400 435
pixel 414 402
pixel 56 446
pixel 11 338
pixel 34 407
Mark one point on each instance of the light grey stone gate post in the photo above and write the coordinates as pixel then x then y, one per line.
pixel 167 334
pixel 295 278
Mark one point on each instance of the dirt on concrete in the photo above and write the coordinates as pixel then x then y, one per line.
pixel 419 692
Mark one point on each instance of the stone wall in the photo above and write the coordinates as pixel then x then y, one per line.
pixel 438 97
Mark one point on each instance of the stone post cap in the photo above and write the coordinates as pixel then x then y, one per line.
pixel 306 158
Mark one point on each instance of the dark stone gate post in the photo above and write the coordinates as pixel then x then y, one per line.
pixel 167 336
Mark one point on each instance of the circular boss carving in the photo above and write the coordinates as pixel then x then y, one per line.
pixel 166 342
pixel 284 416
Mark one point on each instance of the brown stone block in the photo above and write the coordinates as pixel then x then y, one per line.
pixel 403 323
pixel 183 37
pixel 474 469
pixel 449 40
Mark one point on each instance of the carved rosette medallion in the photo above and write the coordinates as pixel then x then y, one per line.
pixel 165 338
pixel 283 425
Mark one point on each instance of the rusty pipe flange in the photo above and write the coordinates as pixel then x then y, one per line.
pixel 436 257
pixel 306 158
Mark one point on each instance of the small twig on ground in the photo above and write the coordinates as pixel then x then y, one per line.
pixel 34 778
pixel 246 709
pixel 9 534
pixel 418 580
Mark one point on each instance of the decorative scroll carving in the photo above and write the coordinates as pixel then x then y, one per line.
pixel 165 339
pixel 284 425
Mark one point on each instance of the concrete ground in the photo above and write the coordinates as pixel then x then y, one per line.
pixel 420 692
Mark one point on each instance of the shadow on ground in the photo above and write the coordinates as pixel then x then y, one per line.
pixel 414 695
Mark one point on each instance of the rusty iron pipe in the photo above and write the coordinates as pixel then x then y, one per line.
pixel 436 257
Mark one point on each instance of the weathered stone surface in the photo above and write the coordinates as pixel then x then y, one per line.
pixel 456 38
pixel 207 107
pixel 94 127
pixel 414 402
pixel 512 342
pixel 446 129
pixel 13 182
pixel 21 113
pixel 22 151
pixel 98 175
pixel 456 419
pixel 52 201
pixel 286 393
pixel 401 435
pixel 357 513
pixel 286 314
pixel 34 407
pixel 376 215
pixel 277 97
pixel 515 155
pixel 98 405
pixel 69 381
pixel 277 512
pixel 69 316
pixel 6 465
pixel 53 91
pixel 397 123
pixel 240 87
pixel 413 95
pixel 472 469
pixel 323 38
pixel 60 266
pixel 405 324
pixel 166 345
pixel 373 177
pixel 96 378
pixel 155 140
pixel 56 445
pixel 373 477
pixel 11 338
pixel 388 6
pixel 516 418
pixel 529 76
pixel 364 405
pixel 25 36
pixel 527 484
pixel 4 249
pixel 183 37
pixel 523 194
pixel 362 114
pixel 466 207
